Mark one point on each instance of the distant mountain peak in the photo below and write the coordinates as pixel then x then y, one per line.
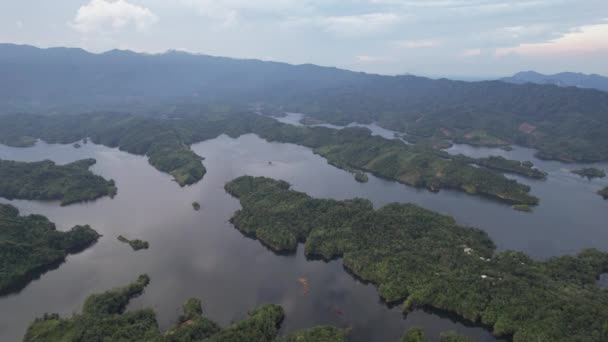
pixel 562 79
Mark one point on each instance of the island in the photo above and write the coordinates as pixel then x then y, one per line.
pixel 361 177
pixel 45 180
pixel 525 168
pixel 421 258
pixel 418 335
pixel 523 207
pixel 77 145
pixel 135 244
pixel 103 318
pixel 196 206
pixel 590 172
pixel 604 192
pixel 31 245
pixel 166 143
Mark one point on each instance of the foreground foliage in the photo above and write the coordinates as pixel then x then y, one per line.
pixel 30 245
pixel 103 318
pixel 45 180
pixel 166 143
pixel 422 258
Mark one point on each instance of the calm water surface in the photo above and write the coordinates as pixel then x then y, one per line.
pixel 200 253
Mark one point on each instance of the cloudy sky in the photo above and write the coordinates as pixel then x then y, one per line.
pixel 477 38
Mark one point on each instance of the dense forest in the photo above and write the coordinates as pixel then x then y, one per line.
pixel 103 318
pixel 45 180
pixel 424 259
pixel 569 124
pixel 31 245
pixel 354 149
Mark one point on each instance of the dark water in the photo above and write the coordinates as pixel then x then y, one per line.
pixel 200 254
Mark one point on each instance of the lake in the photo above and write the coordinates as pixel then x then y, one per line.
pixel 200 254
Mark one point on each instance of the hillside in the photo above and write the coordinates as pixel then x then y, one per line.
pixel 569 124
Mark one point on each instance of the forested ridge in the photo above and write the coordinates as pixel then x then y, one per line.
pixel 167 142
pixel 422 258
pixel 568 124
pixel 45 180
pixel 103 318
pixel 30 245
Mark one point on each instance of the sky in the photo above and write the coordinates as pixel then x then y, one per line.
pixel 451 38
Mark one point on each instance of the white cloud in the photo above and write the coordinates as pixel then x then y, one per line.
pixel 19 24
pixel 414 44
pixel 586 39
pixel 471 52
pixel 112 16
pixel 360 24
pixel 371 59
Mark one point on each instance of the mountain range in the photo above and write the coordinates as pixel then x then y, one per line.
pixel 566 123
pixel 563 79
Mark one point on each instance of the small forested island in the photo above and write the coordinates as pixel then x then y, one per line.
pixel 196 206
pixel 311 121
pixel 31 245
pixel 135 244
pixel 45 180
pixel 523 207
pixel 77 145
pixel 590 172
pixel 166 143
pixel 604 192
pixel 103 318
pixel 361 177
pixel 424 259
pixel 418 335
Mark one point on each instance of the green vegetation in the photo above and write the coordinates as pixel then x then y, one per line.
pixel 422 258
pixel 103 318
pixel 604 192
pixel 135 244
pixel 417 335
pixel 31 245
pixel 502 164
pixel 590 172
pixel 357 149
pixel 564 124
pixel 45 180
pixel 159 140
pixel 308 121
pixel 361 177
pixel 316 334
pixel 166 143
pixel 523 207
pixel 414 335
pixel 451 336
pixel 196 206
